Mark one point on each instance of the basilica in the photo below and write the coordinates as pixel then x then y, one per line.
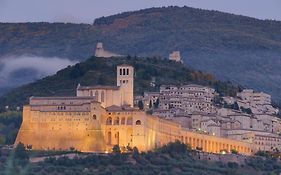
pixel 99 117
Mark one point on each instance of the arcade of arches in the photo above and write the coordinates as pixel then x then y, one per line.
pixel 99 129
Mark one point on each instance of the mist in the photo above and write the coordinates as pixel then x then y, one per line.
pixel 15 71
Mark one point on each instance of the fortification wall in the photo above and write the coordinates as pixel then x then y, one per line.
pixel 61 131
pixel 98 131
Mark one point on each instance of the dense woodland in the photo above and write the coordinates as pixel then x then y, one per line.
pixel 240 49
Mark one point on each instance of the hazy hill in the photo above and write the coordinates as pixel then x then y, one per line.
pixel 237 48
pixel 102 71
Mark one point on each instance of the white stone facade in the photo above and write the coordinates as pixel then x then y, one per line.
pixel 190 98
pixel 175 56
pixel 119 95
pixel 100 52
pixel 258 102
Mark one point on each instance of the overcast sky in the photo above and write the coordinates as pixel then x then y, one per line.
pixel 85 11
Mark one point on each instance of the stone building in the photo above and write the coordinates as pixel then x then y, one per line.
pixel 100 117
pixel 189 98
pixel 100 52
pixel 258 102
pixel 121 94
pixel 175 56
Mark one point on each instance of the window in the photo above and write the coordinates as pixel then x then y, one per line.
pixel 109 138
pixel 116 121
pixel 94 117
pixel 97 95
pixel 120 71
pixel 129 121
pixel 138 122
pixel 127 71
pixel 124 72
pixel 109 121
pixel 123 121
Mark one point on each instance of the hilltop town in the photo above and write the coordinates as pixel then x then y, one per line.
pixel 248 117
pixel 151 113
pixel 99 117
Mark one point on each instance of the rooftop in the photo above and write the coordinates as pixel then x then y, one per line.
pixel 115 108
pixel 98 87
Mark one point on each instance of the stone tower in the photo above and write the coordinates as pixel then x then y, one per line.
pixel 99 50
pixel 125 80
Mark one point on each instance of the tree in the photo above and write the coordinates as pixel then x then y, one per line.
pixel 232 165
pixel 233 151
pixel 140 104
pixel 135 152
pixel 20 152
pixel 218 100
pixel 246 110
pixel 2 140
pixel 156 104
pixel 235 106
pixel 150 104
pixel 116 149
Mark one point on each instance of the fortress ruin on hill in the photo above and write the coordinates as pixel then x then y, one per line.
pixel 101 52
pixel 99 117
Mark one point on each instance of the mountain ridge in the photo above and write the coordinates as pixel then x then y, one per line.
pixel 241 49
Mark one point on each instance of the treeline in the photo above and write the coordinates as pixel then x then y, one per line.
pixel 10 122
pixel 173 158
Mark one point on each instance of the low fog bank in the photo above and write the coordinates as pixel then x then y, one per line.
pixel 15 71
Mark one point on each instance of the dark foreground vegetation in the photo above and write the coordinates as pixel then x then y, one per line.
pixel 10 122
pixel 174 158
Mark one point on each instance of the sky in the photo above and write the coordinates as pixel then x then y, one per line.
pixel 85 11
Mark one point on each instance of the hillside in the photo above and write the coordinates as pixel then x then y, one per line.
pixel 101 71
pixel 240 49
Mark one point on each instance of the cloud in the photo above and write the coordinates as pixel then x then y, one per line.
pixel 15 71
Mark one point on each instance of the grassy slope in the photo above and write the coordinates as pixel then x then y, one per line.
pixel 101 71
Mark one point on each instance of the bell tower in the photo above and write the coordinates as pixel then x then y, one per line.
pixel 125 80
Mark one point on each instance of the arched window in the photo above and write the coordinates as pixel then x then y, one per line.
pixel 117 138
pixel 109 121
pixel 97 95
pixel 138 122
pixel 123 121
pixel 94 117
pixel 124 73
pixel 120 71
pixel 109 138
pixel 116 121
pixel 127 71
pixel 102 96
pixel 129 121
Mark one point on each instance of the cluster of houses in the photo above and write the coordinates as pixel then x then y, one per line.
pixel 249 116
